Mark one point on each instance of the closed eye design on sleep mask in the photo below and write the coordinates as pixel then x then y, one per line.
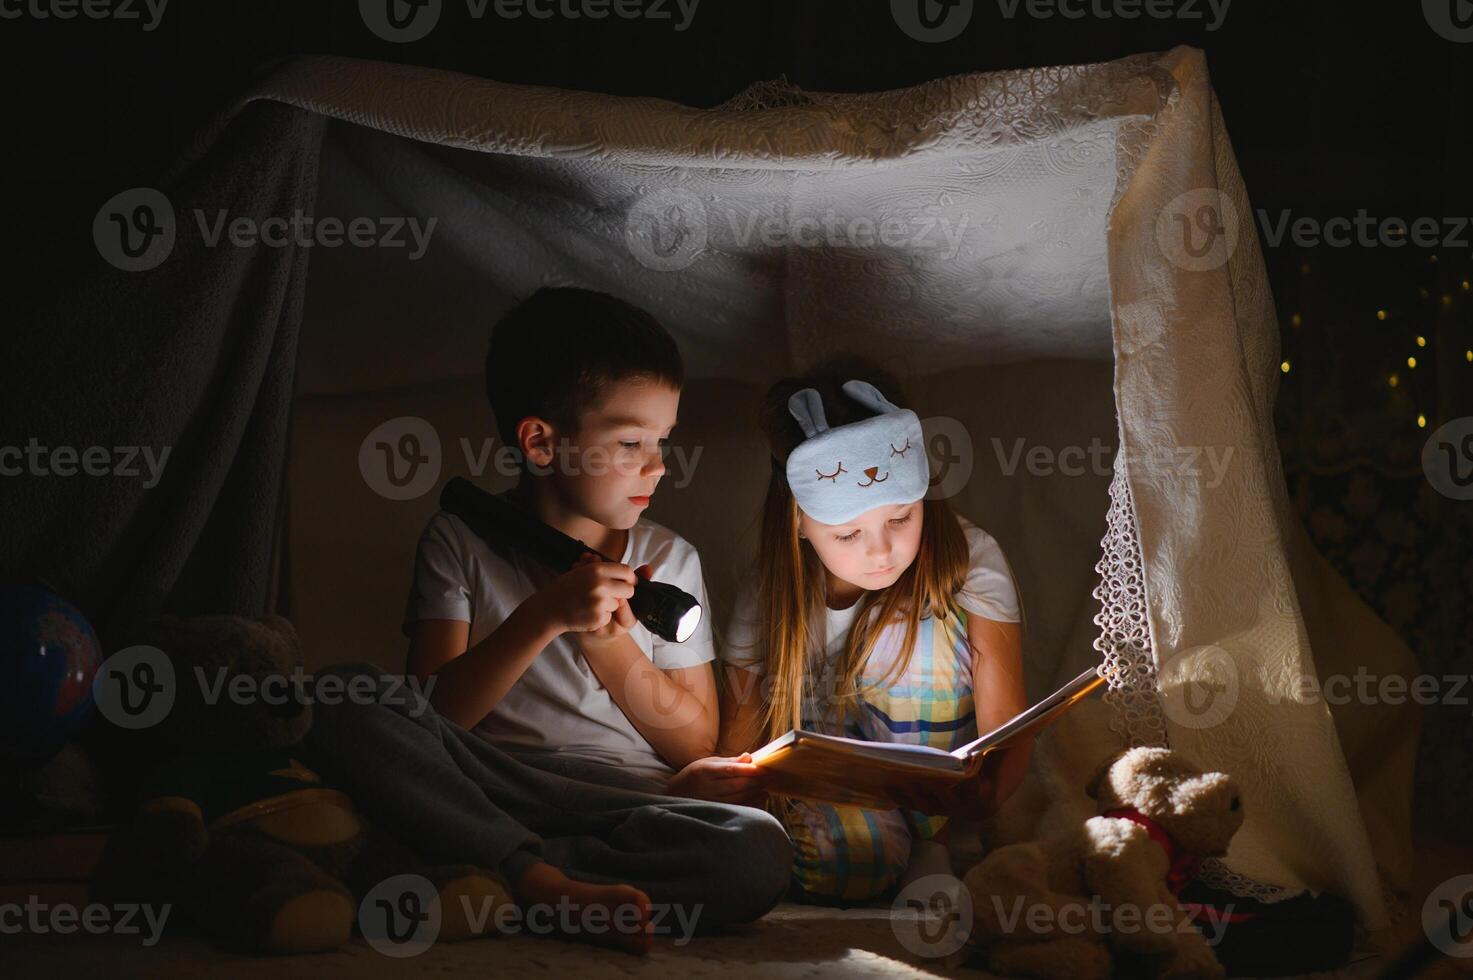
pixel 836 474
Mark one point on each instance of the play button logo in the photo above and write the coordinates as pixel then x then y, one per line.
pixel 400 21
pixel 1451 19
pixel 666 230
pixel 134 231
pixel 932 21
pixel 400 459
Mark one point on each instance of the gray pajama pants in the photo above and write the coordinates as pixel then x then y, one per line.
pixel 454 797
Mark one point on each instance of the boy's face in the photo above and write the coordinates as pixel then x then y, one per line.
pixel 873 550
pixel 608 470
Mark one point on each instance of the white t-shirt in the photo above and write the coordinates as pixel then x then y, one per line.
pixel 987 592
pixel 558 704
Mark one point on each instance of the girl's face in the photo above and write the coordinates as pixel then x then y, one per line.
pixel 873 550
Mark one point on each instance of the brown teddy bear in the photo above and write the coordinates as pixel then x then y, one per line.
pixel 245 837
pixel 1104 892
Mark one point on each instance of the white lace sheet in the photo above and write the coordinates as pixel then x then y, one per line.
pixel 1062 174
pixel 1129 665
pixel 1209 592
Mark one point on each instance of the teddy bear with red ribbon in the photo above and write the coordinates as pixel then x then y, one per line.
pixel 1102 898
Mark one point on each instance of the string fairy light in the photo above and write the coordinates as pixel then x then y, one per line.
pixel 1388 314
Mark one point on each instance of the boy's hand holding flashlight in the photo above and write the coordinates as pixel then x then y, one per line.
pixel 666 610
pixel 592 598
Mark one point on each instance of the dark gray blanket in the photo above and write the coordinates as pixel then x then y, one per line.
pixel 194 359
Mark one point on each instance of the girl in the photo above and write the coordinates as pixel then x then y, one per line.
pixel 876 614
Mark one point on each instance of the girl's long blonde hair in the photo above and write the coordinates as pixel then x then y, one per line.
pixel 790 591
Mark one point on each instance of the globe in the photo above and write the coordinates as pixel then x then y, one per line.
pixel 49 655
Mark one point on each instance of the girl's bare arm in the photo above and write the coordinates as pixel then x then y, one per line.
pixel 998 694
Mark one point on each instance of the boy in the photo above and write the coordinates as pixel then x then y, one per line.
pixel 587 388
pixel 586 726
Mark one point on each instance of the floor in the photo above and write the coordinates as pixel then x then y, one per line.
pixel 792 941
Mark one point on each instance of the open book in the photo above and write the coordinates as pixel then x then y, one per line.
pixel 851 771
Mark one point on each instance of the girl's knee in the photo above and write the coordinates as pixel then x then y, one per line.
pixel 843 854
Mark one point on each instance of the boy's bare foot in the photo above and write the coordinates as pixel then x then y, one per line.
pixel 617 916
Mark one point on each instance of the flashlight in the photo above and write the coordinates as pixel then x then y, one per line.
pixel 668 612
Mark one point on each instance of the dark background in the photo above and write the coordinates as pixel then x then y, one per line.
pixel 1333 108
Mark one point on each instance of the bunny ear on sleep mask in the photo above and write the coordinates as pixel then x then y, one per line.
pixel 807 407
pixel 869 396
pixel 836 474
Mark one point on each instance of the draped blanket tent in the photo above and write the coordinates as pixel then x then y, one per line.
pixel 1033 300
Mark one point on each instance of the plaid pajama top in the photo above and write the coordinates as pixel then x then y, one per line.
pixel 844 853
pixel 849 854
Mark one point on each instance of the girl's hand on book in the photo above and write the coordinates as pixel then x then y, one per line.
pixel 975 796
pixel 721 780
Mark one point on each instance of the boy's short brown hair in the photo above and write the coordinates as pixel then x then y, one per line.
pixel 555 354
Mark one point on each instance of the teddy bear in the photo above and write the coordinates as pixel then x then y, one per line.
pixel 243 836
pixel 1101 895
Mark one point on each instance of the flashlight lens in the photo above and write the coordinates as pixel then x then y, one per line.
pixel 688 624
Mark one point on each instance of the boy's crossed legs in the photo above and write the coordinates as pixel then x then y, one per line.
pixel 556 838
